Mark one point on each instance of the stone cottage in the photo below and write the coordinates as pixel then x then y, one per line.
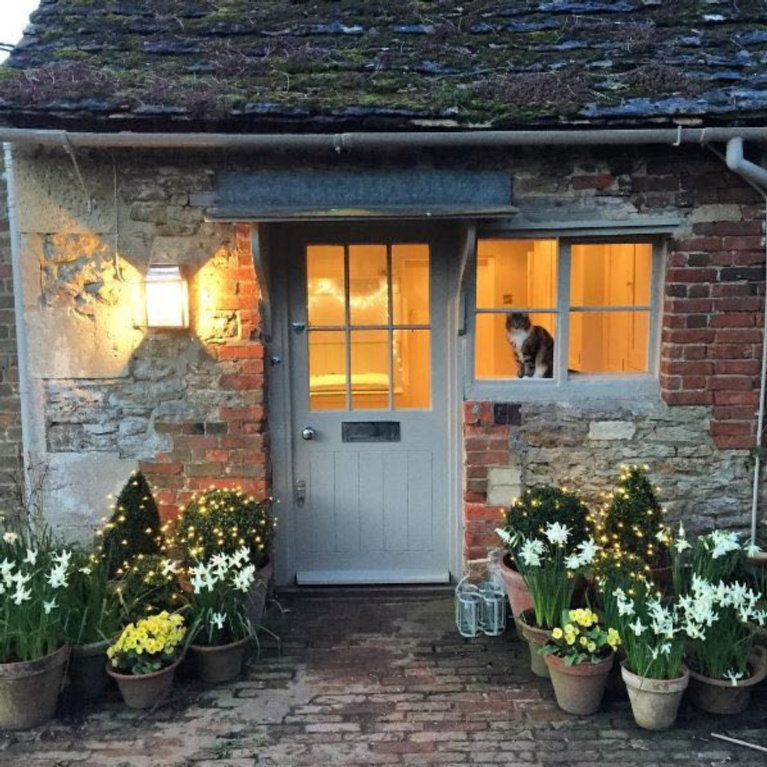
pixel 276 245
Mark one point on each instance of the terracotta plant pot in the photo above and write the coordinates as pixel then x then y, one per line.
pixel 145 690
pixel 535 638
pixel 579 689
pixel 721 696
pixel 516 588
pixel 655 702
pixel 87 673
pixel 29 690
pixel 219 664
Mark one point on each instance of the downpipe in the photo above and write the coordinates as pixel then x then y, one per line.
pixel 757 177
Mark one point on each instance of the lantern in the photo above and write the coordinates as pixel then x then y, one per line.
pixel 167 298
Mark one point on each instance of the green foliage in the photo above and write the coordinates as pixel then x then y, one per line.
pixel 134 527
pixel 150 586
pixel 223 521
pixel 93 608
pixel 633 522
pixel 539 506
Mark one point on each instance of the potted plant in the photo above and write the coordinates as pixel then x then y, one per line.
pixel 653 642
pixel 223 522
pixel 150 585
pixel 725 664
pixel 631 522
pixel 94 617
pixel 134 527
pixel 579 656
pixel 525 520
pixel 145 656
pixel 221 628
pixel 33 647
pixel 550 565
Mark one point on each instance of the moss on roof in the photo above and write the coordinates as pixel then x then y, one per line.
pixel 402 64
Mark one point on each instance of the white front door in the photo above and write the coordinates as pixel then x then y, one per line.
pixel 368 341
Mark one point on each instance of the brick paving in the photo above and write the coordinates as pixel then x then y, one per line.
pixel 378 679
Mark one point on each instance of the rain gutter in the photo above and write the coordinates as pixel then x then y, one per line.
pixel 341 142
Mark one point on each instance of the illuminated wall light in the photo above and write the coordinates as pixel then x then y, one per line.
pixel 167 297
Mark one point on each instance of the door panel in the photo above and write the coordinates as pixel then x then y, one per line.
pixel 368 347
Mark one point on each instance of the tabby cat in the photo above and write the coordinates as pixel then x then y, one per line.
pixel 533 346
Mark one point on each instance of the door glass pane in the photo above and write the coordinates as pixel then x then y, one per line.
pixel 325 285
pixel 412 369
pixel 494 351
pixel 611 274
pixel 516 274
pixel 327 370
pixel 368 285
pixel 370 369
pixel 410 284
pixel 609 342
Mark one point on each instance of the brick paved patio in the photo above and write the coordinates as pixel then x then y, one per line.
pixel 378 680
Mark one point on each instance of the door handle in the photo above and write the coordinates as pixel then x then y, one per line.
pixel 308 433
pixel 300 492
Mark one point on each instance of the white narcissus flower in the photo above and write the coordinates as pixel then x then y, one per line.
pixel 572 562
pixel 10 537
pixel 169 567
pixel 530 552
pixel 724 542
pixel 62 558
pixel 48 607
pixel 637 627
pixel 217 620
pixel 588 551
pixel 503 535
pixel 733 676
pixel 85 570
pixel 21 595
pixel 31 558
pixel 57 578
pixel 752 550
pixel 557 533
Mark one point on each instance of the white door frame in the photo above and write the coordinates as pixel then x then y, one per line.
pixel 285 242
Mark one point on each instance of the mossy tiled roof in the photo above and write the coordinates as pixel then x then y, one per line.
pixel 257 65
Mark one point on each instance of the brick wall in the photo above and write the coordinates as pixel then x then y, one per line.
pixel 10 414
pixel 230 448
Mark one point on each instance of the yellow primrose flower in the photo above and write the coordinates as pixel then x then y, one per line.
pixel 613 638
pixel 557 633
pixel 591 646
pixel 584 641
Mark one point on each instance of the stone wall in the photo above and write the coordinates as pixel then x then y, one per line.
pixel 10 408
pixel 108 394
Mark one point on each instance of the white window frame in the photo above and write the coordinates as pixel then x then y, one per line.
pixel 563 386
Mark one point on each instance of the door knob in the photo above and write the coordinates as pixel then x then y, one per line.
pixel 308 433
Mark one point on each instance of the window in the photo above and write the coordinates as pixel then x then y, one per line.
pixel 369 333
pixel 550 311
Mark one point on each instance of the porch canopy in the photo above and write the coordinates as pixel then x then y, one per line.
pixel 313 195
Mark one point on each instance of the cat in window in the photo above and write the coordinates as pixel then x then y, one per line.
pixel 533 346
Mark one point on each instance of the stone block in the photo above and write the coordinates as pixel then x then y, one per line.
pixel 612 430
pixel 77 489
pixel 503 485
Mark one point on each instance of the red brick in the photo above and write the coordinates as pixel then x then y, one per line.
pixel 738 336
pixel 241 351
pixel 734 412
pixel 697 336
pixel 729 351
pixel 745 442
pixel 733 320
pixel 750 367
pixel 688 397
pixel 742 243
pixel 255 413
pixel 736 397
pixel 237 382
pixel 480 511
pixel 730 383
pixel 161 468
pixel 683 367
pixel 731 428
pixel 600 181
pixel 691 274
pixel 488 458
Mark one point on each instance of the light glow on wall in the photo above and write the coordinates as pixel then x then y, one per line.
pixel 167 298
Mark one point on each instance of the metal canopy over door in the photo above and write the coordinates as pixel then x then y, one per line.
pixel 369 411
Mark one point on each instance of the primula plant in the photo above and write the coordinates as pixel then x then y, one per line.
pixel 549 565
pixel 581 638
pixel 148 645
pixel 218 607
pixel 223 521
pixel 720 620
pixel 34 578
pixel 651 632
